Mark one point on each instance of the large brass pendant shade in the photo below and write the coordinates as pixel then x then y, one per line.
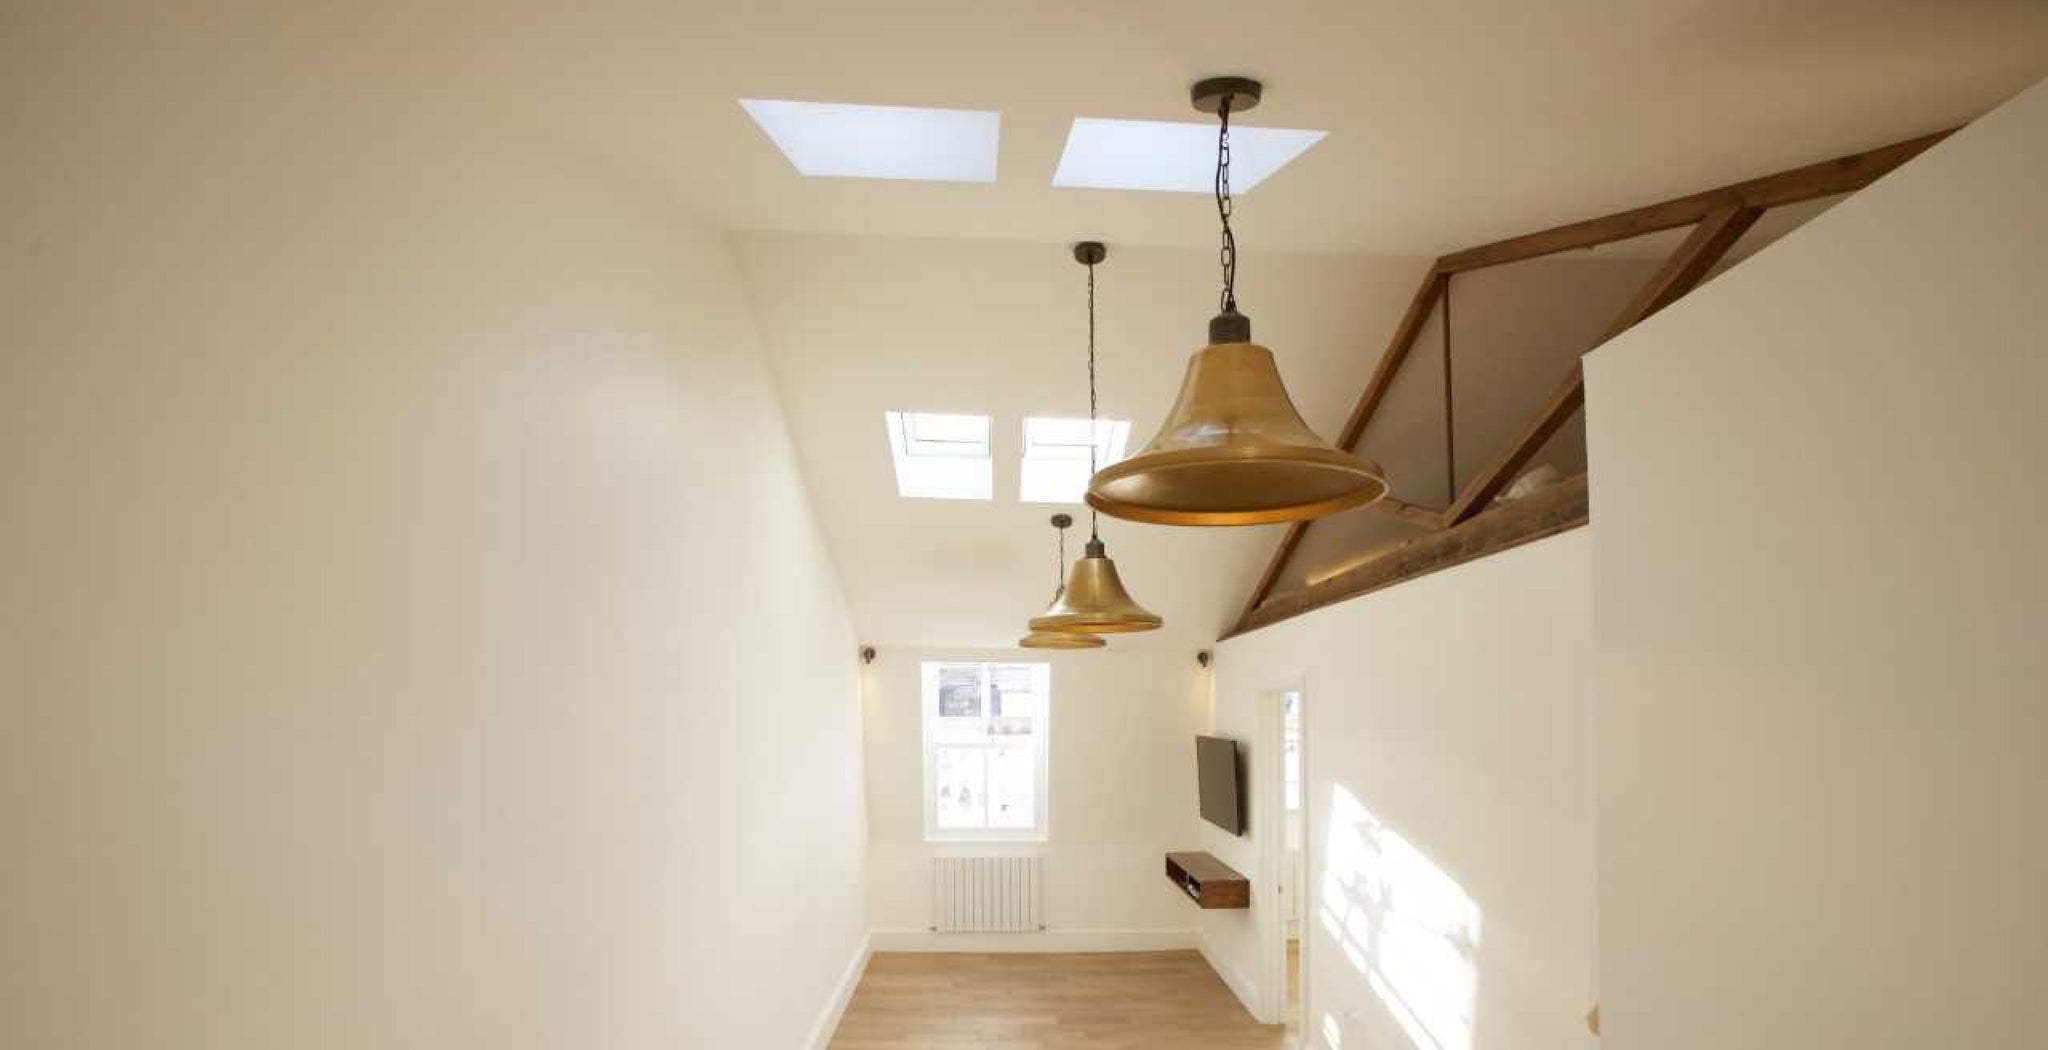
pixel 1094 600
pixel 1044 639
pixel 1233 451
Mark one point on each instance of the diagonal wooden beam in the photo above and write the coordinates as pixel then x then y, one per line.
pixel 1826 179
pixel 1382 380
pixel 1683 271
pixel 1405 333
pixel 1546 513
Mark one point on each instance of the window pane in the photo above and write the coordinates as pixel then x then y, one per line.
pixel 960 691
pixel 1015 702
pixel 1053 480
pixel 961 780
pixel 1056 456
pixel 940 456
pixel 1012 787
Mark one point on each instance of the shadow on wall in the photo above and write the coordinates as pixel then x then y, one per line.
pixel 1406 928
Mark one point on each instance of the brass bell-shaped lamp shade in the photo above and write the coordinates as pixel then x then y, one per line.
pixel 1234 451
pixel 1094 601
pixel 1061 640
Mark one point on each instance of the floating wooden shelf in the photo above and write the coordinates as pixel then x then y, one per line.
pixel 1208 882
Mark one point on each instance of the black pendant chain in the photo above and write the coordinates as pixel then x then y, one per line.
pixel 1093 440
pixel 1227 253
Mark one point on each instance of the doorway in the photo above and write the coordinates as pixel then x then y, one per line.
pixel 1281 800
pixel 1293 868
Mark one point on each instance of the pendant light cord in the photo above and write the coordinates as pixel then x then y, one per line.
pixel 1093 438
pixel 1227 253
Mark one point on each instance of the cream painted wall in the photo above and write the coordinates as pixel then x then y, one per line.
pixel 1122 773
pixel 1821 590
pixel 409 582
pixel 1448 727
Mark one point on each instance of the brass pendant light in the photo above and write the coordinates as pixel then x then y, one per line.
pixel 1234 450
pixel 1094 600
pixel 1060 639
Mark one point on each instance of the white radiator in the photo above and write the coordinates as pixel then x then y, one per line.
pixel 987 894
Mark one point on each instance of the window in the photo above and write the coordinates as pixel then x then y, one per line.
pixel 1056 456
pixel 1173 157
pixel 881 142
pixel 984 751
pixel 941 455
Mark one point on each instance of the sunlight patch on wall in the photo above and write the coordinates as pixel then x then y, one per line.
pixel 1403 924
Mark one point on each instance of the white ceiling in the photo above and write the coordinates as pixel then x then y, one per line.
pixel 1450 124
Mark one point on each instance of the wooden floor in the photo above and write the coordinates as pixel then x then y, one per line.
pixel 1147 1000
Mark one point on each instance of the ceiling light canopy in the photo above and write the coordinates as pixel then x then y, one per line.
pixel 836 140
pixel 1234 450
pixel 1172 157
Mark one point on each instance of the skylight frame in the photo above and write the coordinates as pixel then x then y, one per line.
pixel 936 467
pixel 1161 156
pixel 904 143
pixel 1057 472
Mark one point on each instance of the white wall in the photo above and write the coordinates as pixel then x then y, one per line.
pixel 1448 728
pixel 1122 769
pixel 1821 590
pixel 409 582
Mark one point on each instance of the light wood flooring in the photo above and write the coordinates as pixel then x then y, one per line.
pixel 1149 1000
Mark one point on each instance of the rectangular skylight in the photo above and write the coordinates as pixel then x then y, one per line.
pixel 1056 456
pixel 881 142
pixel 1172 157
pixel 941 455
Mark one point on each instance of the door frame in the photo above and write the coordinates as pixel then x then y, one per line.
pixel 1269 811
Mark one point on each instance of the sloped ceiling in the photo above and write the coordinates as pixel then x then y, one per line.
pixel 1450 125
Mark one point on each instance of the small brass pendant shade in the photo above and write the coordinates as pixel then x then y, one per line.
pixel 1060 640
pixel 1094 601
pixel 1234 451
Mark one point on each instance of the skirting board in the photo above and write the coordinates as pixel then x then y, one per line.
pixel 828 1021
pixel 1238 984
pixel 1048 941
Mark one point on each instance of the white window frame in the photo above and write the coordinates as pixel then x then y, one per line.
pixel 1111 436
pixel 966 467
pixel 1041 738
